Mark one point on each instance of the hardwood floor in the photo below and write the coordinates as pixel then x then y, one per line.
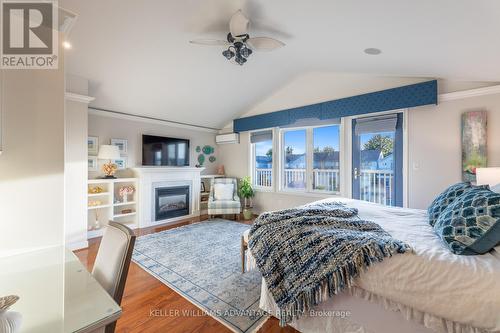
pixel 150 306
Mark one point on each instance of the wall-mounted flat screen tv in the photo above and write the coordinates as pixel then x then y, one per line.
pixel 164 151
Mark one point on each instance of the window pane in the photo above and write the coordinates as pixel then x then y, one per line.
pixel 326 158
pixel 294 173
pixel 181 153
pixel 376 177
pixel 263 175
pixel 171 154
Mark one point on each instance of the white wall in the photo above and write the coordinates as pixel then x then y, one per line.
pixel 75 166
pixel 435 145
pixel 75 174
pixel 107 128
pixel 434 133
pixel 32 161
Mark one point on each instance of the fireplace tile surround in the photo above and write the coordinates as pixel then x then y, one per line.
pixel 152 178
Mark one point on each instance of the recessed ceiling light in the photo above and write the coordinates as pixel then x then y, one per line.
pixel 372 51
pixel 66 45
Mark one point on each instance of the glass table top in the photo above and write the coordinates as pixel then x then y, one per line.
pixel 57 293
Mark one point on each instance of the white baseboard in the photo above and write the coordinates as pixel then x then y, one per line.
pixel 78 245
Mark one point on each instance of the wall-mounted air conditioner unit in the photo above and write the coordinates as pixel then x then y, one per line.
pixel 227 138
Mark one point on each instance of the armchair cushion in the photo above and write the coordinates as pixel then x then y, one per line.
pixel 224 204
pixel 217 205
pixel 223 191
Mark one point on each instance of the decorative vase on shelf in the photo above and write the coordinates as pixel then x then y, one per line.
pixel 124 191
pixel 10 321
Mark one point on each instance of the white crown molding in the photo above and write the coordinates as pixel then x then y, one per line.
pixel 469 93
pixel 78 98
pixel 126 116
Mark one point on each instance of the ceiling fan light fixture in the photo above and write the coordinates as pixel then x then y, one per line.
pixel 246 52
pixel 240 60
pixel 228 54
pixel 240 44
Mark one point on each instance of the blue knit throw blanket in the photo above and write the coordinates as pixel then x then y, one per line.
pixel 309 253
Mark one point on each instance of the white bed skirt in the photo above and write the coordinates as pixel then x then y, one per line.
pixel 414 321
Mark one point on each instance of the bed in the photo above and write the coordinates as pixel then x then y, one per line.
pixel 432 290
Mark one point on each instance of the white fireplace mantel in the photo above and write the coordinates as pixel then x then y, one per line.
pixel 150 177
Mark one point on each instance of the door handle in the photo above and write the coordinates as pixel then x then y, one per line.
pixel 356 173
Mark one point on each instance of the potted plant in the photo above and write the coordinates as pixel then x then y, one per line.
pixel 247 193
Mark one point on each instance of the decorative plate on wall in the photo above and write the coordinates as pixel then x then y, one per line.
pixel 201 159
pixel 207 150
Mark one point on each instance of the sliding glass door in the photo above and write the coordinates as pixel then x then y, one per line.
pixel 377 159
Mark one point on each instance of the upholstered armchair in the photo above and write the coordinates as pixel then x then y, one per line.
pixel 223 198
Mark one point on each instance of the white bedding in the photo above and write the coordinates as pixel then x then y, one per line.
pixel 462 289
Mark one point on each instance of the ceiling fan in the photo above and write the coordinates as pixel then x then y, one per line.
pixel 240 44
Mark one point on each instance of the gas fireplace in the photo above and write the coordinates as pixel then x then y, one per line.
pixel 171 202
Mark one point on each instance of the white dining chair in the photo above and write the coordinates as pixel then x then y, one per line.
pixel 113 261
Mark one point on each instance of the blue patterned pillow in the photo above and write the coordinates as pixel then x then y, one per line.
pixel 444 199
pixel 470 225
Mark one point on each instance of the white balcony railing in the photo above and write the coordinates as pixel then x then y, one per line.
pixel 326 180
pixel 263 177
pixel 375 185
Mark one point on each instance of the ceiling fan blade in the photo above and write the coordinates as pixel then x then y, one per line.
pixel 264 43
pixel 210 42
pixel 239 24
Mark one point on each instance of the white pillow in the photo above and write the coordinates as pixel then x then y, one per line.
pixel 495 188
pixel 223 191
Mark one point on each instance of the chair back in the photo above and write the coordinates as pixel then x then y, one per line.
pixel 113 259
pixel 225 181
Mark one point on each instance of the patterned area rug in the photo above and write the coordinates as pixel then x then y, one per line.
pixel 202 263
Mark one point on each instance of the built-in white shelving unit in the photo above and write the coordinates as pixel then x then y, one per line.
pixel 108 205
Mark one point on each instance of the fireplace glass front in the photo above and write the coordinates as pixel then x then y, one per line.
pixel 171 202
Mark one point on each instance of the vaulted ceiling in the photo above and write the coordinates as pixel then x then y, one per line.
pixel 138 58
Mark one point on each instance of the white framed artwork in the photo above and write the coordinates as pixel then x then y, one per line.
pixel 93 145
pixel 92 163
pixel 121 143
pixel 121 163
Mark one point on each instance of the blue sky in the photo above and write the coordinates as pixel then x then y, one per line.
pixel 261 148
pixel 296 140
pixel 327 136
pixel 322 137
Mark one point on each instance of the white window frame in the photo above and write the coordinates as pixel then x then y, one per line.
pixel 345 160
pixel 253 166
pixel 309 160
